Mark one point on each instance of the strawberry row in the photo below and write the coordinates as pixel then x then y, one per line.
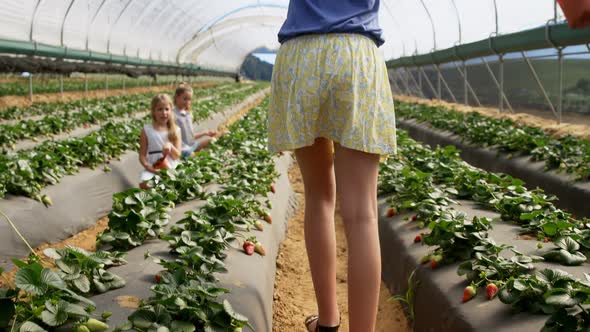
pixel 51 108
pixel 567 153
pixel 428 182
pixel 186 293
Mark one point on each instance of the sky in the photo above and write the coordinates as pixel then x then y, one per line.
pixel 267 57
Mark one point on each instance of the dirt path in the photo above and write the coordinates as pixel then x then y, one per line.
pixel 294 297
pixel 23 101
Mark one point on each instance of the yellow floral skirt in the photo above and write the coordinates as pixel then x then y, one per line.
pixel 334 86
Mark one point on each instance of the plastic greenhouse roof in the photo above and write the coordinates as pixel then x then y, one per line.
pixel 220 34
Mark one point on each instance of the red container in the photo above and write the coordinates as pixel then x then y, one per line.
pixel 577 12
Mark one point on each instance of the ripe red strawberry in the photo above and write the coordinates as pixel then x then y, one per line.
pixel 469 293
pixel 418 238
pixel 414 217
pixel 272 188
pixel 86 125
pixel 491 290
pixel 391 212
pixel 248 247
pixel 158 278
pixel 434 260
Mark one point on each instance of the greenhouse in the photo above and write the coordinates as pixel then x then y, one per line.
pixel 254 165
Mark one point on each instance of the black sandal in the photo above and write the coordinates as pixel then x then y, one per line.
pixel 318 328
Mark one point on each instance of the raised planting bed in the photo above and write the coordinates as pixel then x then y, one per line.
pixel 250 279
pixel 482 230
pixel 519 155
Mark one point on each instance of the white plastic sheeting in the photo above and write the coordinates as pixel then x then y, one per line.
pixel 219 34
pixel 420 26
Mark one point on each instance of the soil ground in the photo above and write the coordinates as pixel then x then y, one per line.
pixel 294 297
pixel 575 124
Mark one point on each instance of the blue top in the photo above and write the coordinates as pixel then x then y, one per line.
pixel 332 16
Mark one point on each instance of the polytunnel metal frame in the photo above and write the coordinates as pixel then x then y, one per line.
pixel 176 19
pixel 552 35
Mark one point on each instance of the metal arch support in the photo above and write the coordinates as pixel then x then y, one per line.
pixel 92 21
pixel 394 20
pixel 540 84
pixel 170 19
pixel 442 77
pixel 415 83
pixel 496 15
pixel 236 10
pixel 112 26
pixel 397 88
pixel 204 42
pixel 216 20
pixel 428 81
pixel 497 84
pixel 33 17
pixel 167 4
pixel 63 23
pixel 469 88
pixel 173 25
pixel 431 23
pixel 184 22
pixel 458 20
pixel 139 18
pixel 398 76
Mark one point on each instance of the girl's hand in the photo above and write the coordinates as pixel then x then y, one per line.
pixel 150 168
pixel 167 149
pixel 211 133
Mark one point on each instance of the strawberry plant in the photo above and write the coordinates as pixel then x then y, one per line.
pixel 546 291
pixel 136 216
pixel 85 271
pixel 566 252
pixel 568 153
pixel 488 267
pixel 456 238
pixel 41 300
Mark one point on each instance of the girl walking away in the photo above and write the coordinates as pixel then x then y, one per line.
pixel 160 141
pixel 330 92
pixel 191 142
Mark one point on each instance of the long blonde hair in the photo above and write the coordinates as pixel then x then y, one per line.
pixel 172 128
pixel 182 87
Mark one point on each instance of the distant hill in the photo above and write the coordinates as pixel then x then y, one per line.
pixel 255 69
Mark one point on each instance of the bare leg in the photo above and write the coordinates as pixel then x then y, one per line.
pixel 317 168
pixel 356 178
